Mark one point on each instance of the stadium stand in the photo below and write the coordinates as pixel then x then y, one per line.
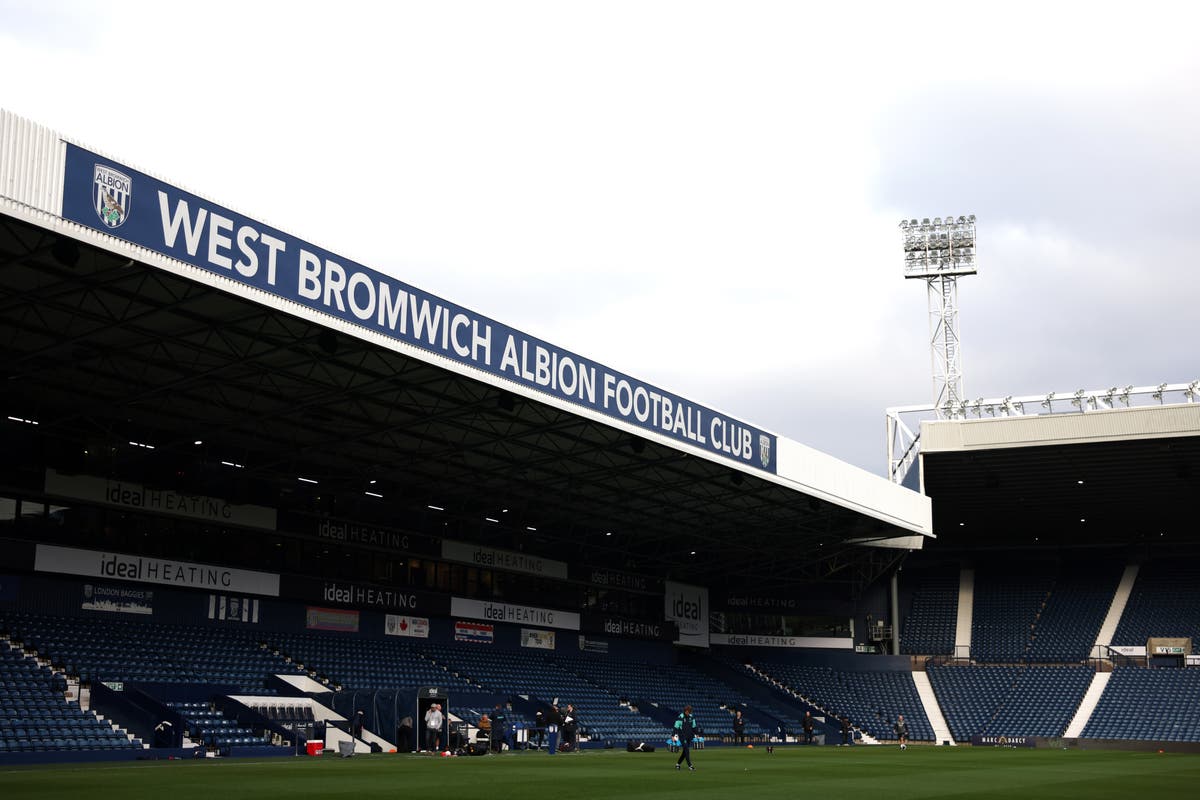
pixel 1148 704
pixel 871 700
pixel 928 629
pixel 1040 612
pixel 35 716
pixel 360 663
pixel 1007 605
pixel 1008 700
pixel 602 713
pixel 670 688
pixel 95 649
pixel 1068 625
pixel 1165 601
pixel 216 730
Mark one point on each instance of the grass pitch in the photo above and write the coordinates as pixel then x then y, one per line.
pixel 721 773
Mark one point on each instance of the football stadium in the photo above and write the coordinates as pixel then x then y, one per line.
pixel 276 523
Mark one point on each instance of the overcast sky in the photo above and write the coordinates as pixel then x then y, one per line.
pixel 702 195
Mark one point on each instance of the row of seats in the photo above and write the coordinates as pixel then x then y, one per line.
pixel 930 625
pixel 95 649
pixel 1008 700
pixel 1051 612
pixel 872 701
pixel 36 716
pixel 213 729
pixel 1165 601
pixel 1148 704
pixel 1020 701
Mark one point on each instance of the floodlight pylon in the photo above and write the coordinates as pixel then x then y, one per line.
pixel 938 252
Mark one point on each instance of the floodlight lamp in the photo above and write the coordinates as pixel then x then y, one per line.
pixel 1048 401
pixel 925 220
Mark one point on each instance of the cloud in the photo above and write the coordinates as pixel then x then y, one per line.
pixel 700 194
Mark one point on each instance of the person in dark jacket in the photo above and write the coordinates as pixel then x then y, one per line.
pixel 685 726
pixel 539 728
pixel 553 720
pixel 847 730
pixel 499 731
pixel 807 724
pixel 739 728
pixel 902 732
pixel 570 728
pixel 404 733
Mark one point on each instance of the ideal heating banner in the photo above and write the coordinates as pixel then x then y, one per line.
pixel 146 569
pixel 687 607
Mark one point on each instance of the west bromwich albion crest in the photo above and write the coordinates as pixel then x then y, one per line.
pixel 764 449
pixel 112 193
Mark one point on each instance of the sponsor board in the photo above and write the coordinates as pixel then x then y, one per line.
pixel 117 599
pixel 592 645
pixel 1129 650
pixel 493 558
pixel 364 595
pixel 518 615
pixel 137 497
pixel 687 607
pixel 130 205
pixel 1003 741
pixel 399 625
pixel 330 619
pixel 748 602
pixel 541 640
pixel 626 628
pixel 754 640
pixel 479 632
pixel 233 609
pixel 144 569
pixel 336 531
pixel 615 579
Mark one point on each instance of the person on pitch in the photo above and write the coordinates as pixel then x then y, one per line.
pixel 685 726
pixel 902 732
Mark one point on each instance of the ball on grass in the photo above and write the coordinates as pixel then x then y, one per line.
pixel 749 747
